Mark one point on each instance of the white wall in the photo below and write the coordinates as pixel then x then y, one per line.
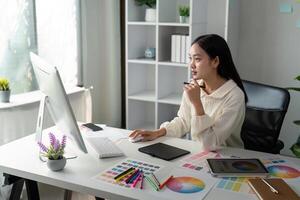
pixel 268 52
pixel 101 58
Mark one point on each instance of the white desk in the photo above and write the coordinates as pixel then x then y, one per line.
pixel 20 158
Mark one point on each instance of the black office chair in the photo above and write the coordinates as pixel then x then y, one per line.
pixel 265 112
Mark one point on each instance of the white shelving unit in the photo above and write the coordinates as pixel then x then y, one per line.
pixel 154 86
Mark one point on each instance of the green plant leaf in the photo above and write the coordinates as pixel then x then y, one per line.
pixel 297 78
pixel 296 150
pixel 293 88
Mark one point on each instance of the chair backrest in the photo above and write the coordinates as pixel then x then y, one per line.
pixel 265 112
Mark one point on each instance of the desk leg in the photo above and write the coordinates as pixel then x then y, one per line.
pixel 16 190
pixel 98 198
pixel 32 190
pixel 18 183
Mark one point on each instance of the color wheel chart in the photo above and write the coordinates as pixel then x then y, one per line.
pixel 197 161
pixel 281 168
pixel 108 175
pixel 245 166
pixel 186 184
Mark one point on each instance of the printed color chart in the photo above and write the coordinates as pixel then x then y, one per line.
pixel 186 185
pixel 108 175
pixel 198 161
pixel 235 185
pixel 281 168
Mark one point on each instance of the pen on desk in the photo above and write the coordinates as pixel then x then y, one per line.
pixel 142 181
pixel 119 176
pixel 136 180
pixel 270 186
pixel 155 179
pixel 165 182
pixel 151 183
pixel 132 175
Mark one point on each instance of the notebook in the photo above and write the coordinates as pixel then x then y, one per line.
pixel 163 151
pixel 263 191
pixel 104 147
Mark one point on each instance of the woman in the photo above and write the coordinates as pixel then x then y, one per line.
pixel 213 103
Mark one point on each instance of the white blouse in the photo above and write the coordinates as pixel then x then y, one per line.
pixel 220 125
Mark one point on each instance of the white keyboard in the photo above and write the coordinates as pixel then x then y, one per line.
pixel 104 147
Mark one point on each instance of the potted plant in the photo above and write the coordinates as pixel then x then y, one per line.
pixel 150 15
pixel 55 152
pixel 296 147
pixel 4 90
pixel 184 13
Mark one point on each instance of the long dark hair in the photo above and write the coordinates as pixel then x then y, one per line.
pixel 214 45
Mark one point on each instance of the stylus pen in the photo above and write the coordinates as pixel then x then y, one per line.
pixel 165 182
pixel 270 186
pixel 186 83
pixel 155 179
pixel 142 181
pixel 119 176
pixel 151 183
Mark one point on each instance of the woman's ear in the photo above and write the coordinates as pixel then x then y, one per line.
pixel 216 62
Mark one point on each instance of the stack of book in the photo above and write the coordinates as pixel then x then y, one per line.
pixel 180 47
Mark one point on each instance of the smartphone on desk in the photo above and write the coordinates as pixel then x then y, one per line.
pixel 92 127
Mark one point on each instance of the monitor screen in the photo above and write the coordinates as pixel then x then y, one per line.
pixel 57 103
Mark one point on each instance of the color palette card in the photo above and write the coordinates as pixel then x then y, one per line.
pixel 197 161
pixel 234 184
pixel 109 174
pixel 185 184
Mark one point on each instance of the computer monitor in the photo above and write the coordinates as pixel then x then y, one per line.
pixel 56 100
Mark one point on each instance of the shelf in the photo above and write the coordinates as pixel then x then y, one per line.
pixel 148 95
pixel 139 39
pixel 174 98
pixel 141 23
pixel 170 82
pixel 154 87
pixel 142 61
pixel 168 63
pixel 173 24
pixel 164 40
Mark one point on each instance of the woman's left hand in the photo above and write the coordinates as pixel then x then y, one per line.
pixel 193 92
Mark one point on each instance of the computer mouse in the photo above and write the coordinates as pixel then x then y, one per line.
pixel 137 139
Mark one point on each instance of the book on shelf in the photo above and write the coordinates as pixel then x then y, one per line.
pixel 180 47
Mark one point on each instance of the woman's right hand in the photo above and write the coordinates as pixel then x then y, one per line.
pixel 148 135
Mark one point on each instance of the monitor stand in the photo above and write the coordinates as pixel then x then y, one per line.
pixel 39 127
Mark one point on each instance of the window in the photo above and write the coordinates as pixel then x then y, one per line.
pixel 47 27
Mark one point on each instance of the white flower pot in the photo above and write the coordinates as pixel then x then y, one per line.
pixel 4 96
pixel 150 15
pixel 183 19
pixel 57 165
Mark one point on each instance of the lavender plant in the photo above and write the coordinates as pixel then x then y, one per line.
pixel 56 149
